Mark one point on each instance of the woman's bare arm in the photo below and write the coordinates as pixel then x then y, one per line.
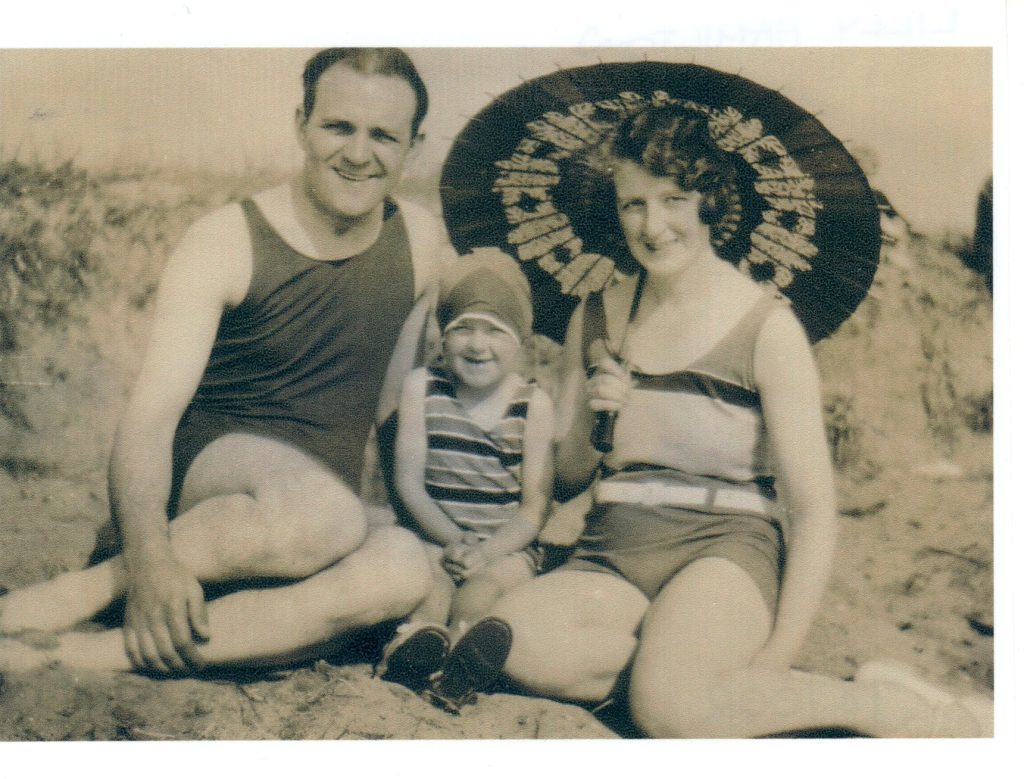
pixel 788 383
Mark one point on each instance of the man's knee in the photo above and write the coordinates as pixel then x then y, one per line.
pixel 313 519
pixel 406 564
pixel 385 579
pixel 394 571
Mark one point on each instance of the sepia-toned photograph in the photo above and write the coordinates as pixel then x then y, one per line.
pixel 427 393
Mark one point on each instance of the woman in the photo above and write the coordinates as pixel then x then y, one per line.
pixel 680 569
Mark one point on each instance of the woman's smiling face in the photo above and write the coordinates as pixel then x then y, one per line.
pixel 660 222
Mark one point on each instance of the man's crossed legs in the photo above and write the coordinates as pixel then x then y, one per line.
pixel 252 509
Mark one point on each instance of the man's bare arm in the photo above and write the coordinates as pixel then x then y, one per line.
pixel 165 612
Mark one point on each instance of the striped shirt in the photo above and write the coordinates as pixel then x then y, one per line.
pixel 475 475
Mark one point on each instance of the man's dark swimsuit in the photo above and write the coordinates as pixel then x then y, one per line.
pixel 302 358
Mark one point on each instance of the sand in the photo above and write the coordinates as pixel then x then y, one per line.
pixel 907 386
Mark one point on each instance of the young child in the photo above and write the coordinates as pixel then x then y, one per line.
pixel 474 470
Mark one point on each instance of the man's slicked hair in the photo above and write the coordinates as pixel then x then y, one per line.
pixel 370 62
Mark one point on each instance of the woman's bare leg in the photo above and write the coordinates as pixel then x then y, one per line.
pixel 573 632
pixel 691 676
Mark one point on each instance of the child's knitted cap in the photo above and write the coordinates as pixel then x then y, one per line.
pixel 489 281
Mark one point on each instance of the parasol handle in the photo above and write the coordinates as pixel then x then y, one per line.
pixel 602 435
pixel 603 432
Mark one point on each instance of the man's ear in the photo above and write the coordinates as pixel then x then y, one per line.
pixel 300 122
pixel 414 146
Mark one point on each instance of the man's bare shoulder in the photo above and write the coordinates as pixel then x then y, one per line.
pixel 426 223
pixel 217 249
pixel 222 227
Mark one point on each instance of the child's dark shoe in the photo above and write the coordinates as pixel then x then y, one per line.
pixel 474 665
pixel 416 653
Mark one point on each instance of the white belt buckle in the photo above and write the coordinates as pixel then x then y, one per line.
pixel 648 493
pixel 686 496
pixel 744 501
pixel 652 493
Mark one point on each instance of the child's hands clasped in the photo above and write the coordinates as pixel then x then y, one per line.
pixel 461 556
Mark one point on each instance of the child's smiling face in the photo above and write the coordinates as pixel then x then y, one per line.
pixel 479 352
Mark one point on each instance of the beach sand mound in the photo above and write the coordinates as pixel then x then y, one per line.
pixel 907 387
pixel 323 701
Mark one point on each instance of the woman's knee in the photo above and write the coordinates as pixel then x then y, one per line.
pixel 312 520
pixel 557 648
pixel 530 662
pixel 696 642
pixel 492 582
pixel 676 703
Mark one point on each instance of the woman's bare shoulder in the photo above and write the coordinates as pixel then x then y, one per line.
pixel 783 327
pixel 738 286
pixel 782 352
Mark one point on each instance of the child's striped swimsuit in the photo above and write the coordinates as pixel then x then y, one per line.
pixel 475 475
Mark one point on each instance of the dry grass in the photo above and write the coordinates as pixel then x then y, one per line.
pixel 81 252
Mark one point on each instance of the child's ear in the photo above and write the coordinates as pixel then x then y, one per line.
pixel 524 363
pixel 432 340
pixel 436 357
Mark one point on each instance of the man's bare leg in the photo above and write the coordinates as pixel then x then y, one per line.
pixel 435 606
pixel 254 509
pixel 384 579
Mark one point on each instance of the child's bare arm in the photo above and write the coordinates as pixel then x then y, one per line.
pixel 537 477
pixel 410 464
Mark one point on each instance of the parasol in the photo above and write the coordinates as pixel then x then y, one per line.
pixel 511 180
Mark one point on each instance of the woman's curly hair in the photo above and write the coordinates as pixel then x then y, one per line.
pixel 670 141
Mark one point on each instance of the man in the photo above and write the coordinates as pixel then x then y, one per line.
pixel 278 323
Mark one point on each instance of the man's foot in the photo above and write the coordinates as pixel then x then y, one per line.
pixel 414 655
pixel 977 710
pixel 52 605
pixel 20 655
pixel 474 665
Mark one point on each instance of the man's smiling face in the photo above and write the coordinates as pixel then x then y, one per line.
pixel 356 140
